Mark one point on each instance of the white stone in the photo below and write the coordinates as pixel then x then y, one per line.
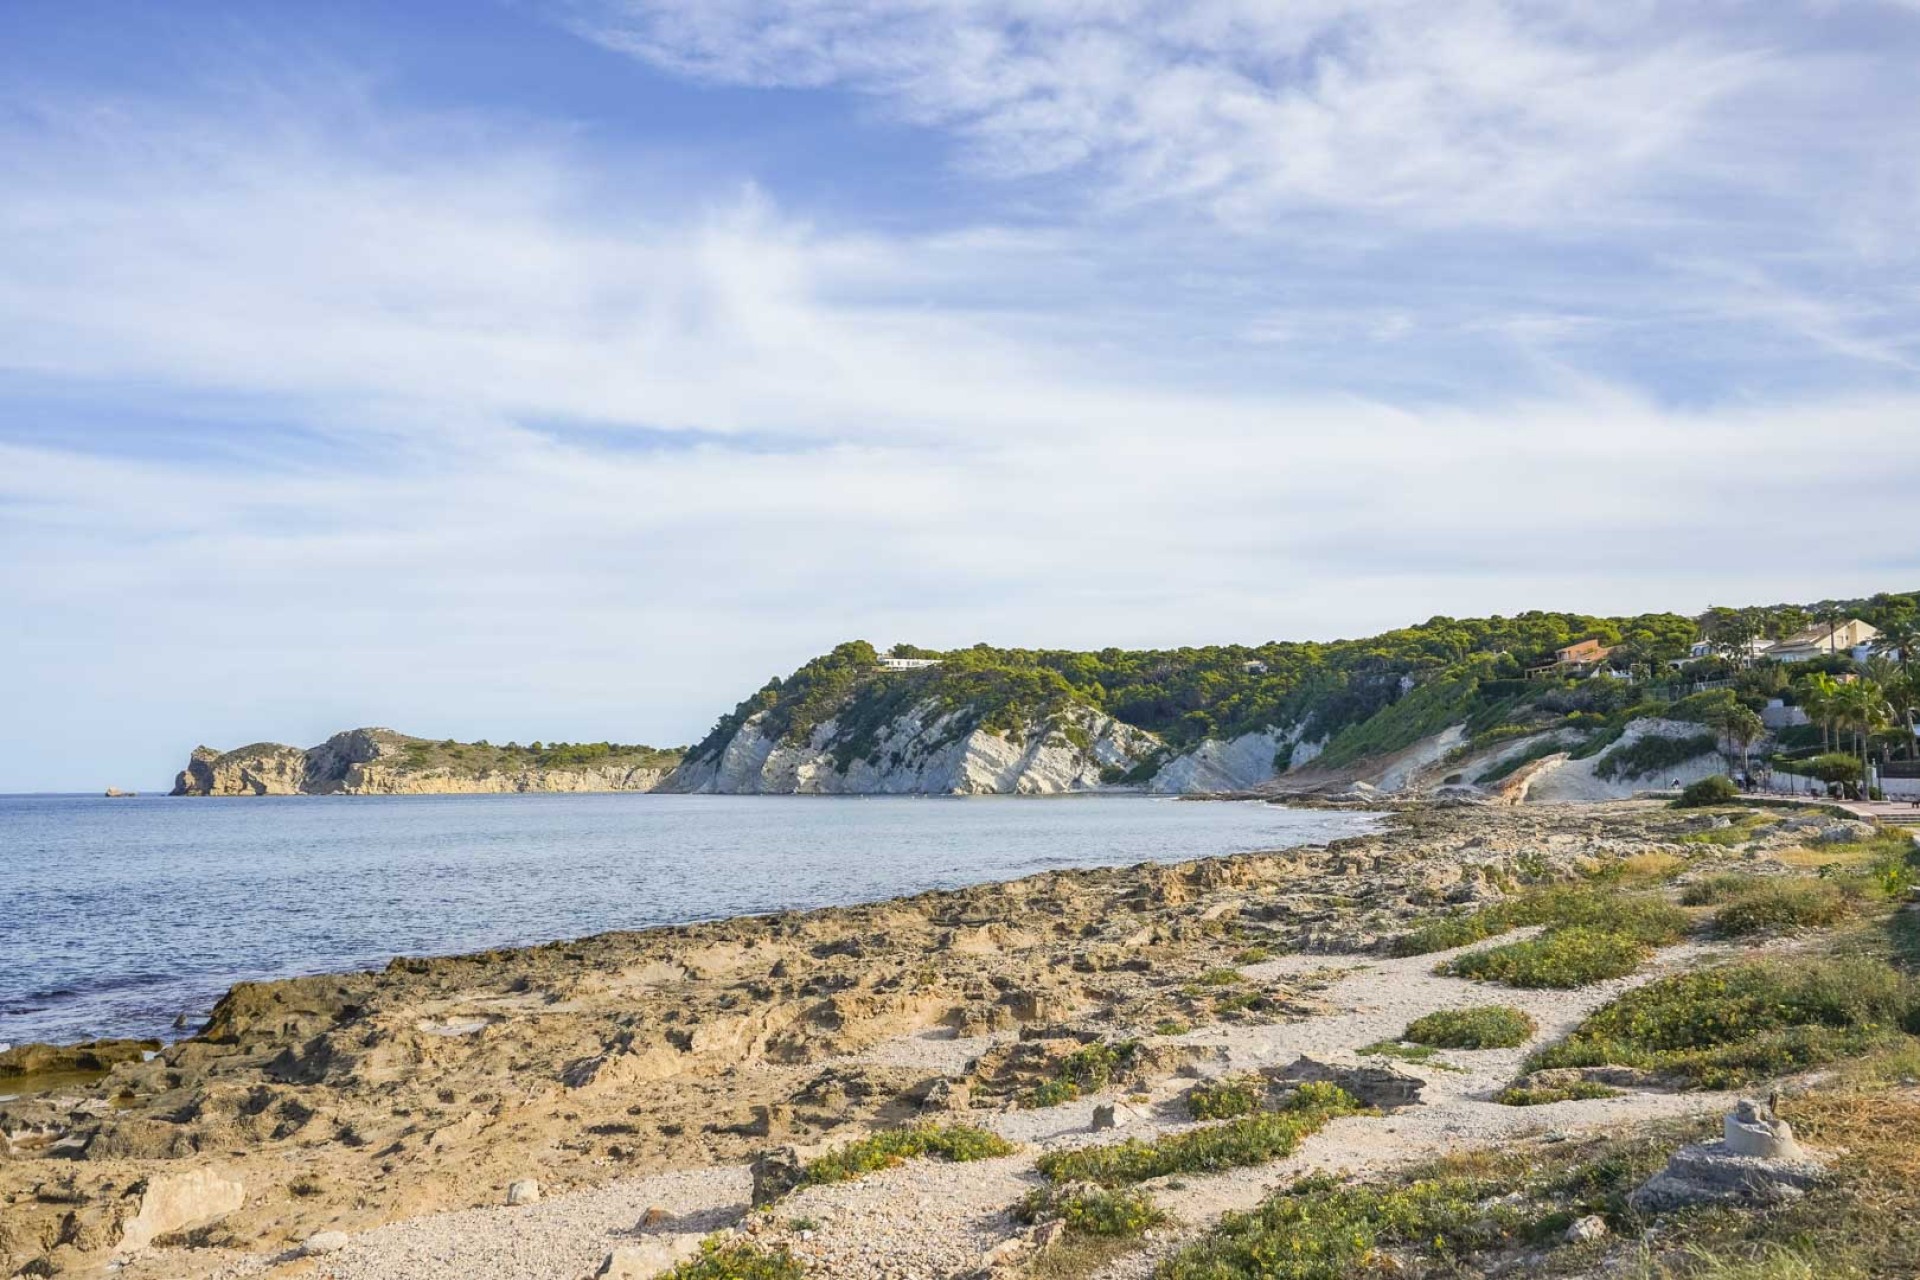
pixel 1751 1130
pixel 649 1258
pixel 180 1202
pixel 322 1243
pixel 525 1191
pixel 1590 1228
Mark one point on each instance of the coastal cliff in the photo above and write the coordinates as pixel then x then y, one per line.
pixel 382 762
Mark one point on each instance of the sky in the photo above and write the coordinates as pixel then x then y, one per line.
pixel 562 369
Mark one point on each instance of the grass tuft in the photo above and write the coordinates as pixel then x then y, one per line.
pixel 1733 1024
pixel 1577 956
pixel 1092 1211
pixel 1494 1026
pixel 1087 1069
pixel 958 1142
pixel 1520 1095
pixel 739 1260
pixel 1248 1140
pixel 1648 917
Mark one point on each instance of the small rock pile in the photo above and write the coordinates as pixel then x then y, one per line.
pixel 1757 1162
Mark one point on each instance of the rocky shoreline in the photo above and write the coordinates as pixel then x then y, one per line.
pixel 342 1102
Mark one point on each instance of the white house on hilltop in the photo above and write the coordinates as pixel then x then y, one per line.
pixel 1851 637
pixel 890 663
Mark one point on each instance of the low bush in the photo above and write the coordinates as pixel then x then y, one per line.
pixel 1707 792
pixel 1087 1069
pixel 1646 916
pixel 1734 1024
pixel 1779 904
pixel 1431 1222
pixel 1254 955
pixel 1227 1097
pixel 1562 959
pixel 739 1260
pixel 1248 1140
pixel 957 1142
pixel 1711 891
pixel 1092 1211
pixel 1521 1095
pixel 1494 1026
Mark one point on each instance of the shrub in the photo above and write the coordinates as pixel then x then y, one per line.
pixel 1487 1027
pixel 1562 959
pixel 1253 955
pixel 1520 1095
pixel 1718 789
pixel 739 1260
pixel 1218 978
pixel 1711 891
pixel 1733 1024
pixel 1227 1097
pixel 1777 904
pixel 1093 1211
pixel 1087 1069
pixel 957 1142
pixel 1248 1140
pixel 1648 917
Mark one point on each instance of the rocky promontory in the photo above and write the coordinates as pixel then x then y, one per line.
pixel 382 762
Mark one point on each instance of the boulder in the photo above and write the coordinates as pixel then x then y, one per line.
pixel 649 1257
pixel 1585 1230
pixel 775 1173
pixel 1756 1163
pixel 525 1191
pixel 180 1202
pixel 322 1243
pixel 1383 1088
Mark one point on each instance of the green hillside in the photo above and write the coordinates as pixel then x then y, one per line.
pixel 1366 696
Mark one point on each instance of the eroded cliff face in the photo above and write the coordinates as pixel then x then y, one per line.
pixel 926 752
pixel 1234 764
pixel 379 762
pixel 263 769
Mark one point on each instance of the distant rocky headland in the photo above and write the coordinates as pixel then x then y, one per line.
pixel 382 762
pixel 1540 706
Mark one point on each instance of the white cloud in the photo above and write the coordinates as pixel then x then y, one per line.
pixel 1484 112
pixel 466 453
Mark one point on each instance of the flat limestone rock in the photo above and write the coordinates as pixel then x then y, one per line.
pixel 649 1258
pixel 1712 1173
pixel 179 1202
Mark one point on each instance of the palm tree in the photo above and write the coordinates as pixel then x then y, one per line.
pixel 1740 726
pixel 1819 698
pixel 1861 707
pixel 1902 692
pixel 1901 636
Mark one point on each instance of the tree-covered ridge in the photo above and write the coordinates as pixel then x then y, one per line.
pixel 1364 697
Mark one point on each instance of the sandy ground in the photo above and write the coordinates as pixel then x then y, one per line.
pixel 930 1219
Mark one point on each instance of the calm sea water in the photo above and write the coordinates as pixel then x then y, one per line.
pixel 116 916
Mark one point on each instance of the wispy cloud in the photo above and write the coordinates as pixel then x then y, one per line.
pixel 317 408
pixel 1490 111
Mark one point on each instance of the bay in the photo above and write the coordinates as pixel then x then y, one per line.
pixel 119 915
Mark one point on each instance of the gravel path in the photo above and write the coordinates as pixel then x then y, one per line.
pixel 929 1219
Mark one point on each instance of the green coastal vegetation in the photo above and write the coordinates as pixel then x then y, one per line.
pixel 425 755
pixel 1497 677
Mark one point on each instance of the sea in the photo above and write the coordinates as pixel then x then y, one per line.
pixel 131 916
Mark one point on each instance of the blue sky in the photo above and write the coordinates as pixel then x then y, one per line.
pixel 561 370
